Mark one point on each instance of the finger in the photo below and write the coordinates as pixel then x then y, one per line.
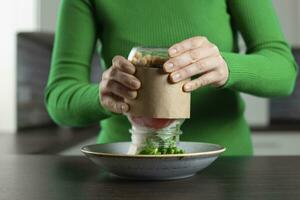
pixel 203 80
pixel 105 74
pixel 190 57
pixel 123 64
pixel 128 80
pixel 118 89
pixel 199 67
pixel 188 44
pixel 114 104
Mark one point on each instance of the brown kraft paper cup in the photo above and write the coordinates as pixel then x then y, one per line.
pixel 158 98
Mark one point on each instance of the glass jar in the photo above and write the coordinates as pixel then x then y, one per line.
pixel 148 57
pixel 151 141
pixel 153 136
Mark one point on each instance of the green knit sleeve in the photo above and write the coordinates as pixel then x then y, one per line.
pixel 70 97
pixel 268 67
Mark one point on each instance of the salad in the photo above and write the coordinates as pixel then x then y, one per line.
pixel 153 136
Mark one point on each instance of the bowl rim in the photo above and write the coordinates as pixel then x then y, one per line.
pixel 220 150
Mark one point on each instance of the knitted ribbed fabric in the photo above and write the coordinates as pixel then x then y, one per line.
pixel 268 68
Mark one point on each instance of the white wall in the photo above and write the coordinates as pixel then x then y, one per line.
pixel 17 15
pixel 48 14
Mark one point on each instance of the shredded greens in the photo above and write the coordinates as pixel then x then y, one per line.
pixel 162 143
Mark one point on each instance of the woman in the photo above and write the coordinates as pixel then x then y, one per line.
pixel 202 36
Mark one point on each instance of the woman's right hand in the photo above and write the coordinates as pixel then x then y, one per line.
pixel 118 83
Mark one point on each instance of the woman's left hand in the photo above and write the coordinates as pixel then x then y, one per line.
pixel 196 56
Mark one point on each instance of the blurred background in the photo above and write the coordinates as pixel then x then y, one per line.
pixel 27 39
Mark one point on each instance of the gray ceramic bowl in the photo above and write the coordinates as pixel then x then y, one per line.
pixel 113 158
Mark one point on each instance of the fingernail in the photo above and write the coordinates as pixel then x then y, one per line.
pixel 132 95
pixel 187 87
pixel 169 66
pixel 135 84
pixel 176 77
pixel 173 51
pixel 124 108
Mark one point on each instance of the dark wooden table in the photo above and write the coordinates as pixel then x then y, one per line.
pixel 30 177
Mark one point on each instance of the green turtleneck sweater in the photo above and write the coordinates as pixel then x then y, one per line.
pixel 217 114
